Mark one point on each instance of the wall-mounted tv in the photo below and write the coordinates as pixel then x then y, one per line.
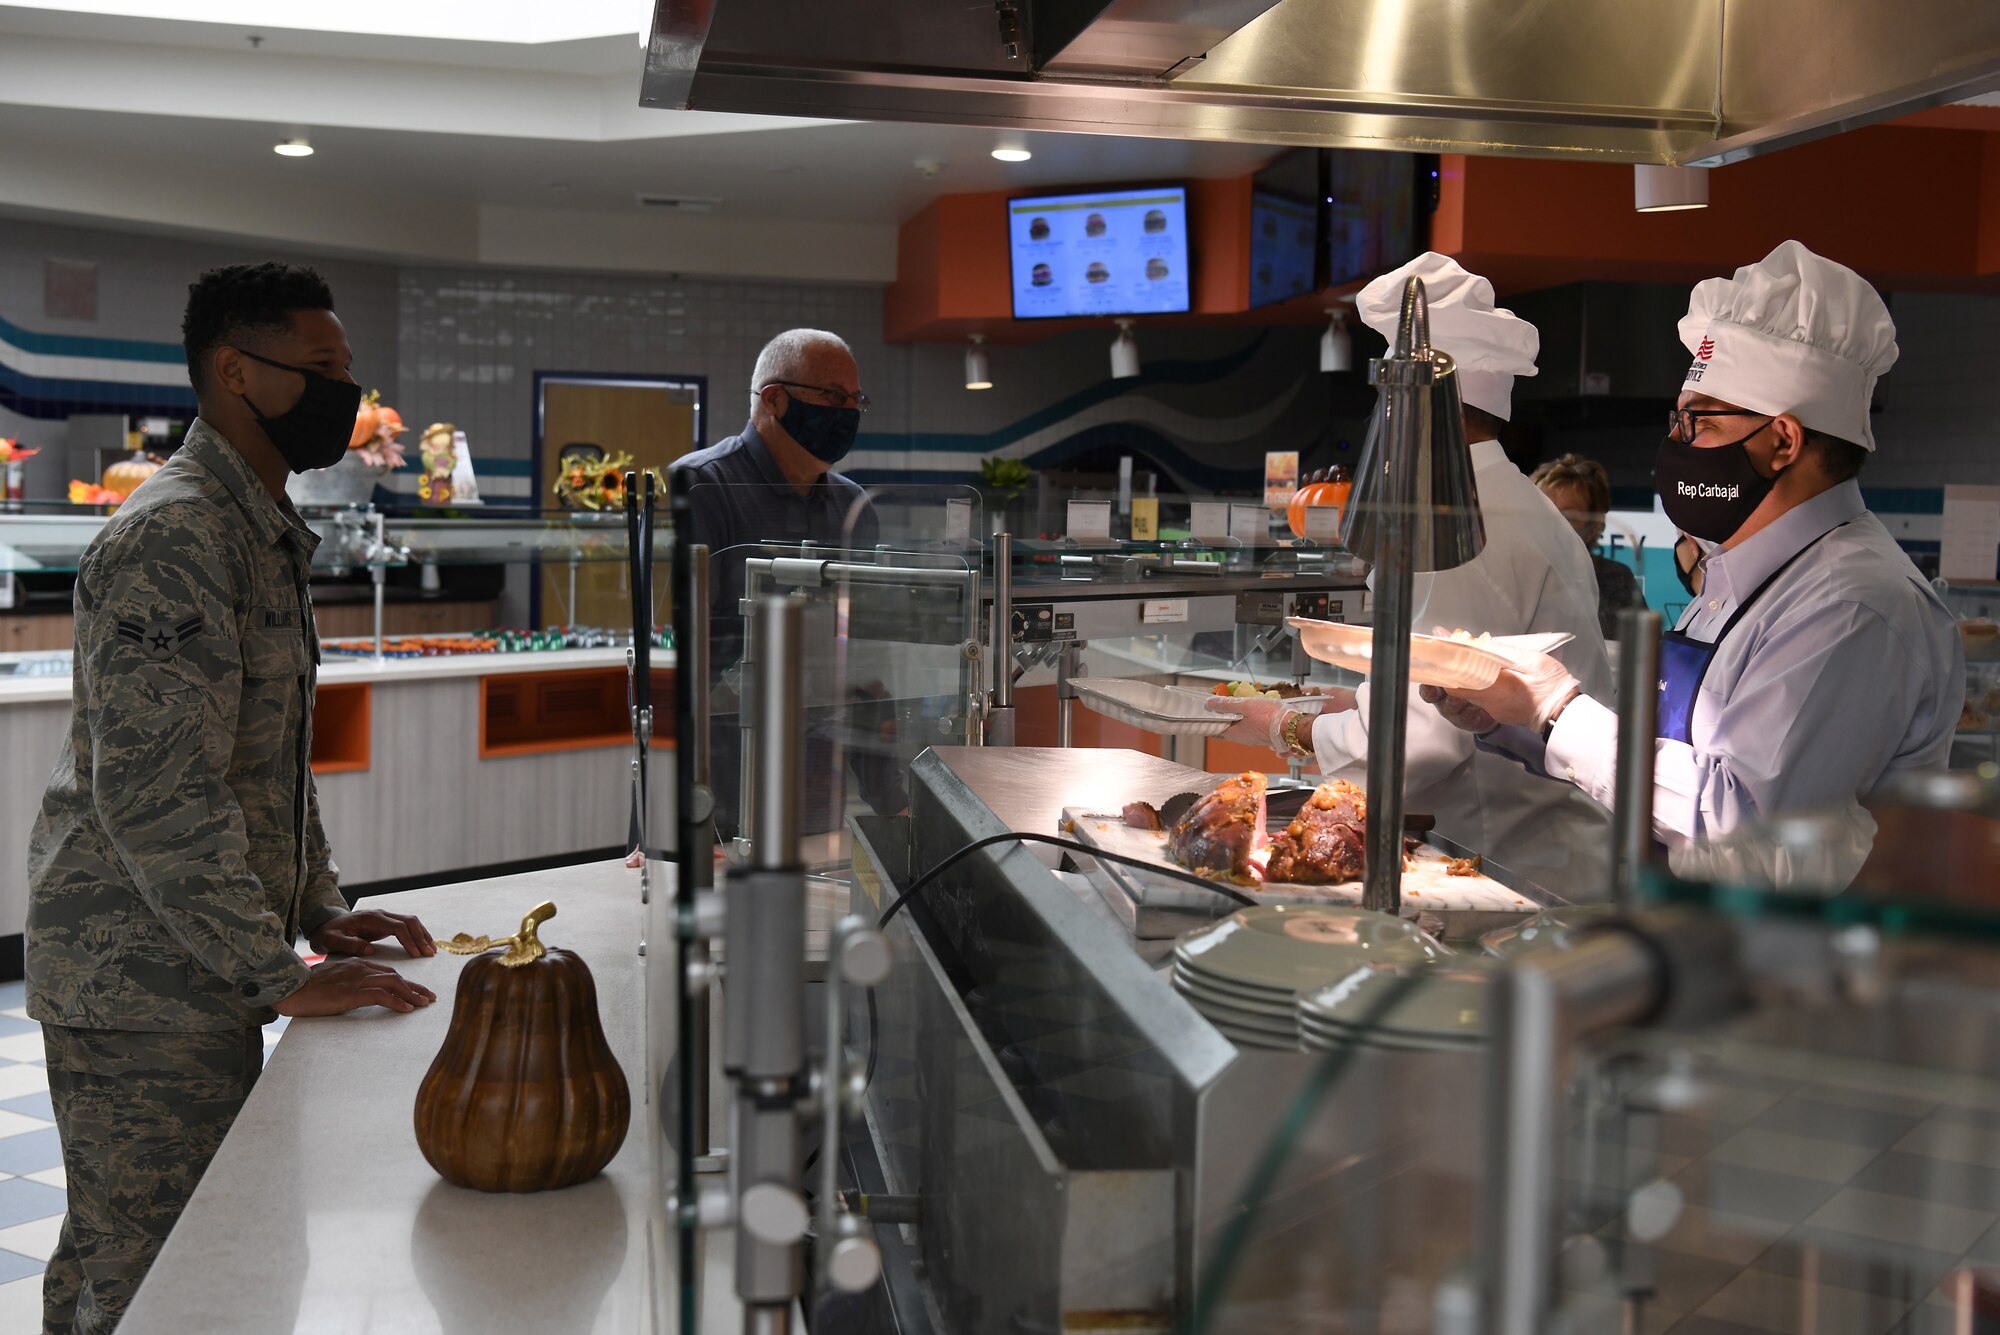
pixel 1100 252
pixel 1378 207
pixel 1285 220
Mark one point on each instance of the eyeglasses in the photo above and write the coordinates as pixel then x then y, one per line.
pixel 1683 423
pixel 835 396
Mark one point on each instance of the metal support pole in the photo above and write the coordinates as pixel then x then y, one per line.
pixel 764 1046
pixel 692 662
pixel 1542 1006
pixel 746 728
pixel 379 573
pixel 1406 406
pixel 1638 728
pixel 1000 719
pixel 1069 666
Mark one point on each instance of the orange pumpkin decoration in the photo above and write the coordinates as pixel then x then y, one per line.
pixel 1314 494
pixel 125 476
pixel 525 1094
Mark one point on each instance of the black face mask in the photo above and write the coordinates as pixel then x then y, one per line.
pixel 1685 573
pixel 1709 492
pixel 826 433
pixel 312 433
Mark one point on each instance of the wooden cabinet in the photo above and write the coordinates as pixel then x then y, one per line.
pixel 345 621
pixel 31 634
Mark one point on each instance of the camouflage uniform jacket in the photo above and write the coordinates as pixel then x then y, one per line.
pixel 178 853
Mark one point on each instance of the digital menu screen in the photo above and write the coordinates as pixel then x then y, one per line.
pixel 1108 252
pixel 1284 248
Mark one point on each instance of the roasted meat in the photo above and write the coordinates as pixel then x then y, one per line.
pixel 1222 829
pixel 1324 842
pixel 1142 816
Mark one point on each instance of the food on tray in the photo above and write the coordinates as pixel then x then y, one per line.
pixel 1323 844
pixel 1143 816
pixel 1465 636
pixel 1250 690
pixel 1222 830
pixel 1463 866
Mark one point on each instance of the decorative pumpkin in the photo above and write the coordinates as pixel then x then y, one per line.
pixel 1309 496
pixel 125 476
pixel 525 1094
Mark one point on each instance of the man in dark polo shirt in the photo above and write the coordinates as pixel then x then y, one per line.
pixel 773 482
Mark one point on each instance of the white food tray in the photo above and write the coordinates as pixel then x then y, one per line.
pixel 1162 709
pixel 1453 665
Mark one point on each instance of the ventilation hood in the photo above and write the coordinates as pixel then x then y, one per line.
pixel 1696 82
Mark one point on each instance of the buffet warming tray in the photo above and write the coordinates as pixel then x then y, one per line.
pixel 1157 907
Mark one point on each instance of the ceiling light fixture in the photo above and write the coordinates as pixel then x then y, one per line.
pixel 1011 154
pixel 1124 353
pixel 292 148
pixel 1336 345
pixel 978 371
pixel 1668 189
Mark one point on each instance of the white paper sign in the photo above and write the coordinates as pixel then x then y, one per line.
pixel 1249 523
pixel 958 522
pixel 1090 521
pixel 1163 611
pixel 1971 537
pixel 1323 523
pixel 7 590
pixel 1208 521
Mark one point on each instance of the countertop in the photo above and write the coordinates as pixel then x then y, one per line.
pixel 341 670
pixel 320 1215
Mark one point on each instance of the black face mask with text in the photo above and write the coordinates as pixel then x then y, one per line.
pixel 312 433
pixel 1709 492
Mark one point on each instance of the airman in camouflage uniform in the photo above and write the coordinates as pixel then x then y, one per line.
pixel 178 855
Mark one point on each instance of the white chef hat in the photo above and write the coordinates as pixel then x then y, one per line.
pixel 1793 333
pixel 1490 345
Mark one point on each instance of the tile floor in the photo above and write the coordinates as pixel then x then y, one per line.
pixel 32 1198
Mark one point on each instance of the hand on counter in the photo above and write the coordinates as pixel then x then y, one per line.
pixel 350 934
pixel 342 985
pixel 1529 694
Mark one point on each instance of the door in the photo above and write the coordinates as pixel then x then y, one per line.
pixel 656 421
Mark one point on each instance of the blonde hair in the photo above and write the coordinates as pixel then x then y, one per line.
pixel 1573 470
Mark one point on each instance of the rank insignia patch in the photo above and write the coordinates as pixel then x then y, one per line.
pixel 160 641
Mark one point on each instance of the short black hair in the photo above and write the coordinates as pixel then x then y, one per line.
pixel 1841 459
pixel 256 298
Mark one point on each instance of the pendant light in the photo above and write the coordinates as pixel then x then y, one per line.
pixel 1668 189
pixel 1124 353
pixel 1336 345
pixel 978 373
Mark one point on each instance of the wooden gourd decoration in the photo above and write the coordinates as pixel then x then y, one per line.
pixel 525 1094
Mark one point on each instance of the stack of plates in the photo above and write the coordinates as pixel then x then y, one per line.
pixel 1246 973
pixel 1444 1012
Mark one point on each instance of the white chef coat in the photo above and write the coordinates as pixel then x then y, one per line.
pixel 1532 577
pixel 1845 671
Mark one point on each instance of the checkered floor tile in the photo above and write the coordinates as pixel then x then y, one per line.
pixel 1804 1207
pixel 32 1194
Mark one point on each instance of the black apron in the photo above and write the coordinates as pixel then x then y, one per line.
pixel 1684 661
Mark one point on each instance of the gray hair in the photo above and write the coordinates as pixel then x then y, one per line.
pixel 785 357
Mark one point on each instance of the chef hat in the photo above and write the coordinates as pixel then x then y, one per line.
pixel 1490 345
pixel 1794 333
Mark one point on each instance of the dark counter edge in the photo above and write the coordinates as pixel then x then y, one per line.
pixel 12 948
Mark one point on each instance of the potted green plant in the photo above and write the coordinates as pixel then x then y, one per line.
pixel 1005 482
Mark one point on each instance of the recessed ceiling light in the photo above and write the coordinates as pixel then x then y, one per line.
pixel 1012 154
pixel 292 148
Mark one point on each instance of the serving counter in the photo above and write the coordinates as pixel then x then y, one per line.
pixel 423 765
pixel 319 1214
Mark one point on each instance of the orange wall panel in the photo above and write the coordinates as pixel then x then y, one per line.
pixel 1900 205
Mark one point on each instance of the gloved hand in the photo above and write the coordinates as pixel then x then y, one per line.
pixel 1528 693
pixel 1459 713
pixel 1261 719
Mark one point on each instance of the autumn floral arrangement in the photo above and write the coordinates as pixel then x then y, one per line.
pixel 377 428
pixel 589 480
